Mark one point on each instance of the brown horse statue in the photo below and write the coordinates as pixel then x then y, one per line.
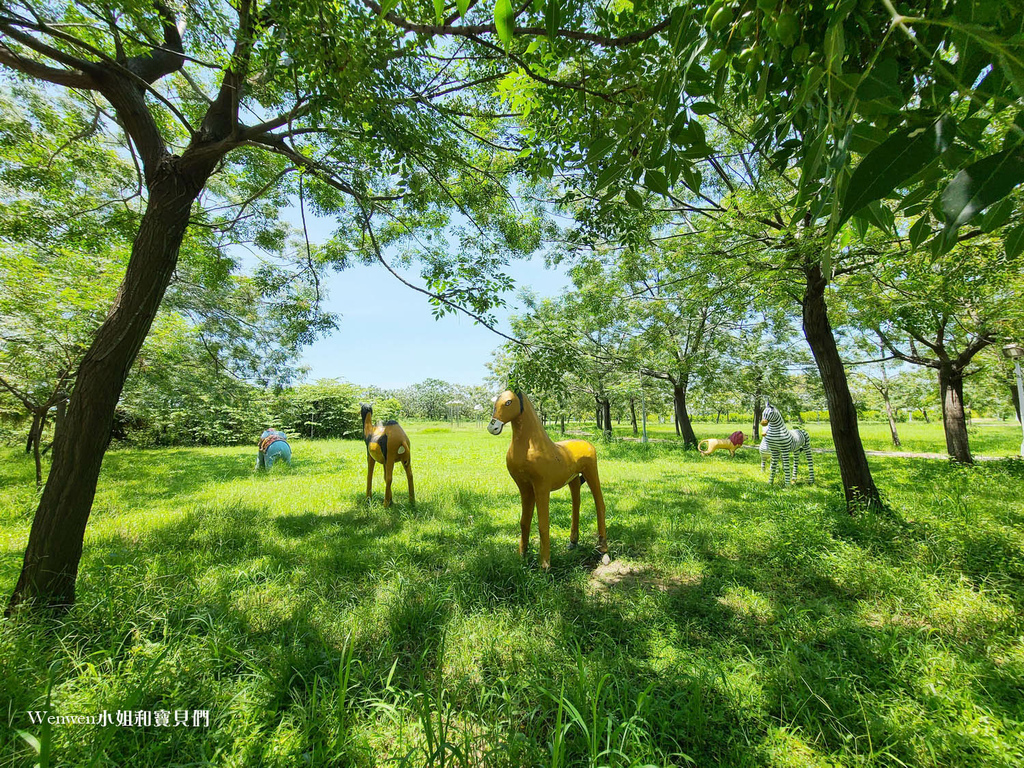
pixel 539 466
pixel 385 444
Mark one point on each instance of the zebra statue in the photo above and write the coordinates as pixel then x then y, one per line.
pixel 787 442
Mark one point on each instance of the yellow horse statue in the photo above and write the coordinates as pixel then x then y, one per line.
pixel 386 444
pixel 539 466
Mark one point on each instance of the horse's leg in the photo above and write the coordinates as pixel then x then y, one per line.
pixel 408 476
pixel 526 495
pixel 810 463
pixel 594 482
pixel 389 469
pixel 370 464
pixel 543 502
pixel 773 467
pixel 574 533
pixel 785 467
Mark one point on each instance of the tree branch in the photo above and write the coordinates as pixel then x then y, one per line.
pixel 68 78
pixel 472 30
pixel 160 62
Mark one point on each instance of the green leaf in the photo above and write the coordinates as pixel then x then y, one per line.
pixel 503 20
pixel 703 108
pixel 611 172
pixel 861 226
pixel 439 11
pixel 881 84
pixel 1014 73
pixel 634 199
pixel 692 178
pixel 552 18
pixel 599 147
pixel 915 197
pixel 835 47
pixel 919 232
pixel 31 740
pixel 997 215
pixel 892 162
pixel 657 182
pixel 878 214
pixel 978 186
pixel 1014 242
pixel 386 6
pixel 463 6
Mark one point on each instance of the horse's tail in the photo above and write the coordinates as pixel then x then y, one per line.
pixel 705 441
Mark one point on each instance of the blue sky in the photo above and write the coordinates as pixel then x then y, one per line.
pixel 407 345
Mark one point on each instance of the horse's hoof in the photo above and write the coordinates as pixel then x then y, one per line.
pixel 605 559
pixel 546 567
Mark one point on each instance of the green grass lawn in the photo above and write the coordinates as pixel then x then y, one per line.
pixel 738 624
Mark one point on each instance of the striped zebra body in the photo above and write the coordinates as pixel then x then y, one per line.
pixel 786 444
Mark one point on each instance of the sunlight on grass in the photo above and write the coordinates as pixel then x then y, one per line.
pixel 737 624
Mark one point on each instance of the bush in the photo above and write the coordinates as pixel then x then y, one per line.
pixel 235 413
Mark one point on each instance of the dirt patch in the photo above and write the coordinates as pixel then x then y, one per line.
pixel 620 575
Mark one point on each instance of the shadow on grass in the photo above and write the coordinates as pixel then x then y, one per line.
pixel 769 627
pixel 170 473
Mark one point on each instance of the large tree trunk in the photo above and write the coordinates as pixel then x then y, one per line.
pixel 686 428
pixel 954 421
pixel 563 423
pixel 858 484
pixel 632 416
pixel 54 548
pixel 606 416
pixel 758 411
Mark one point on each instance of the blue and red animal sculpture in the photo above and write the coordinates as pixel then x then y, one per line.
pixel 273 445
